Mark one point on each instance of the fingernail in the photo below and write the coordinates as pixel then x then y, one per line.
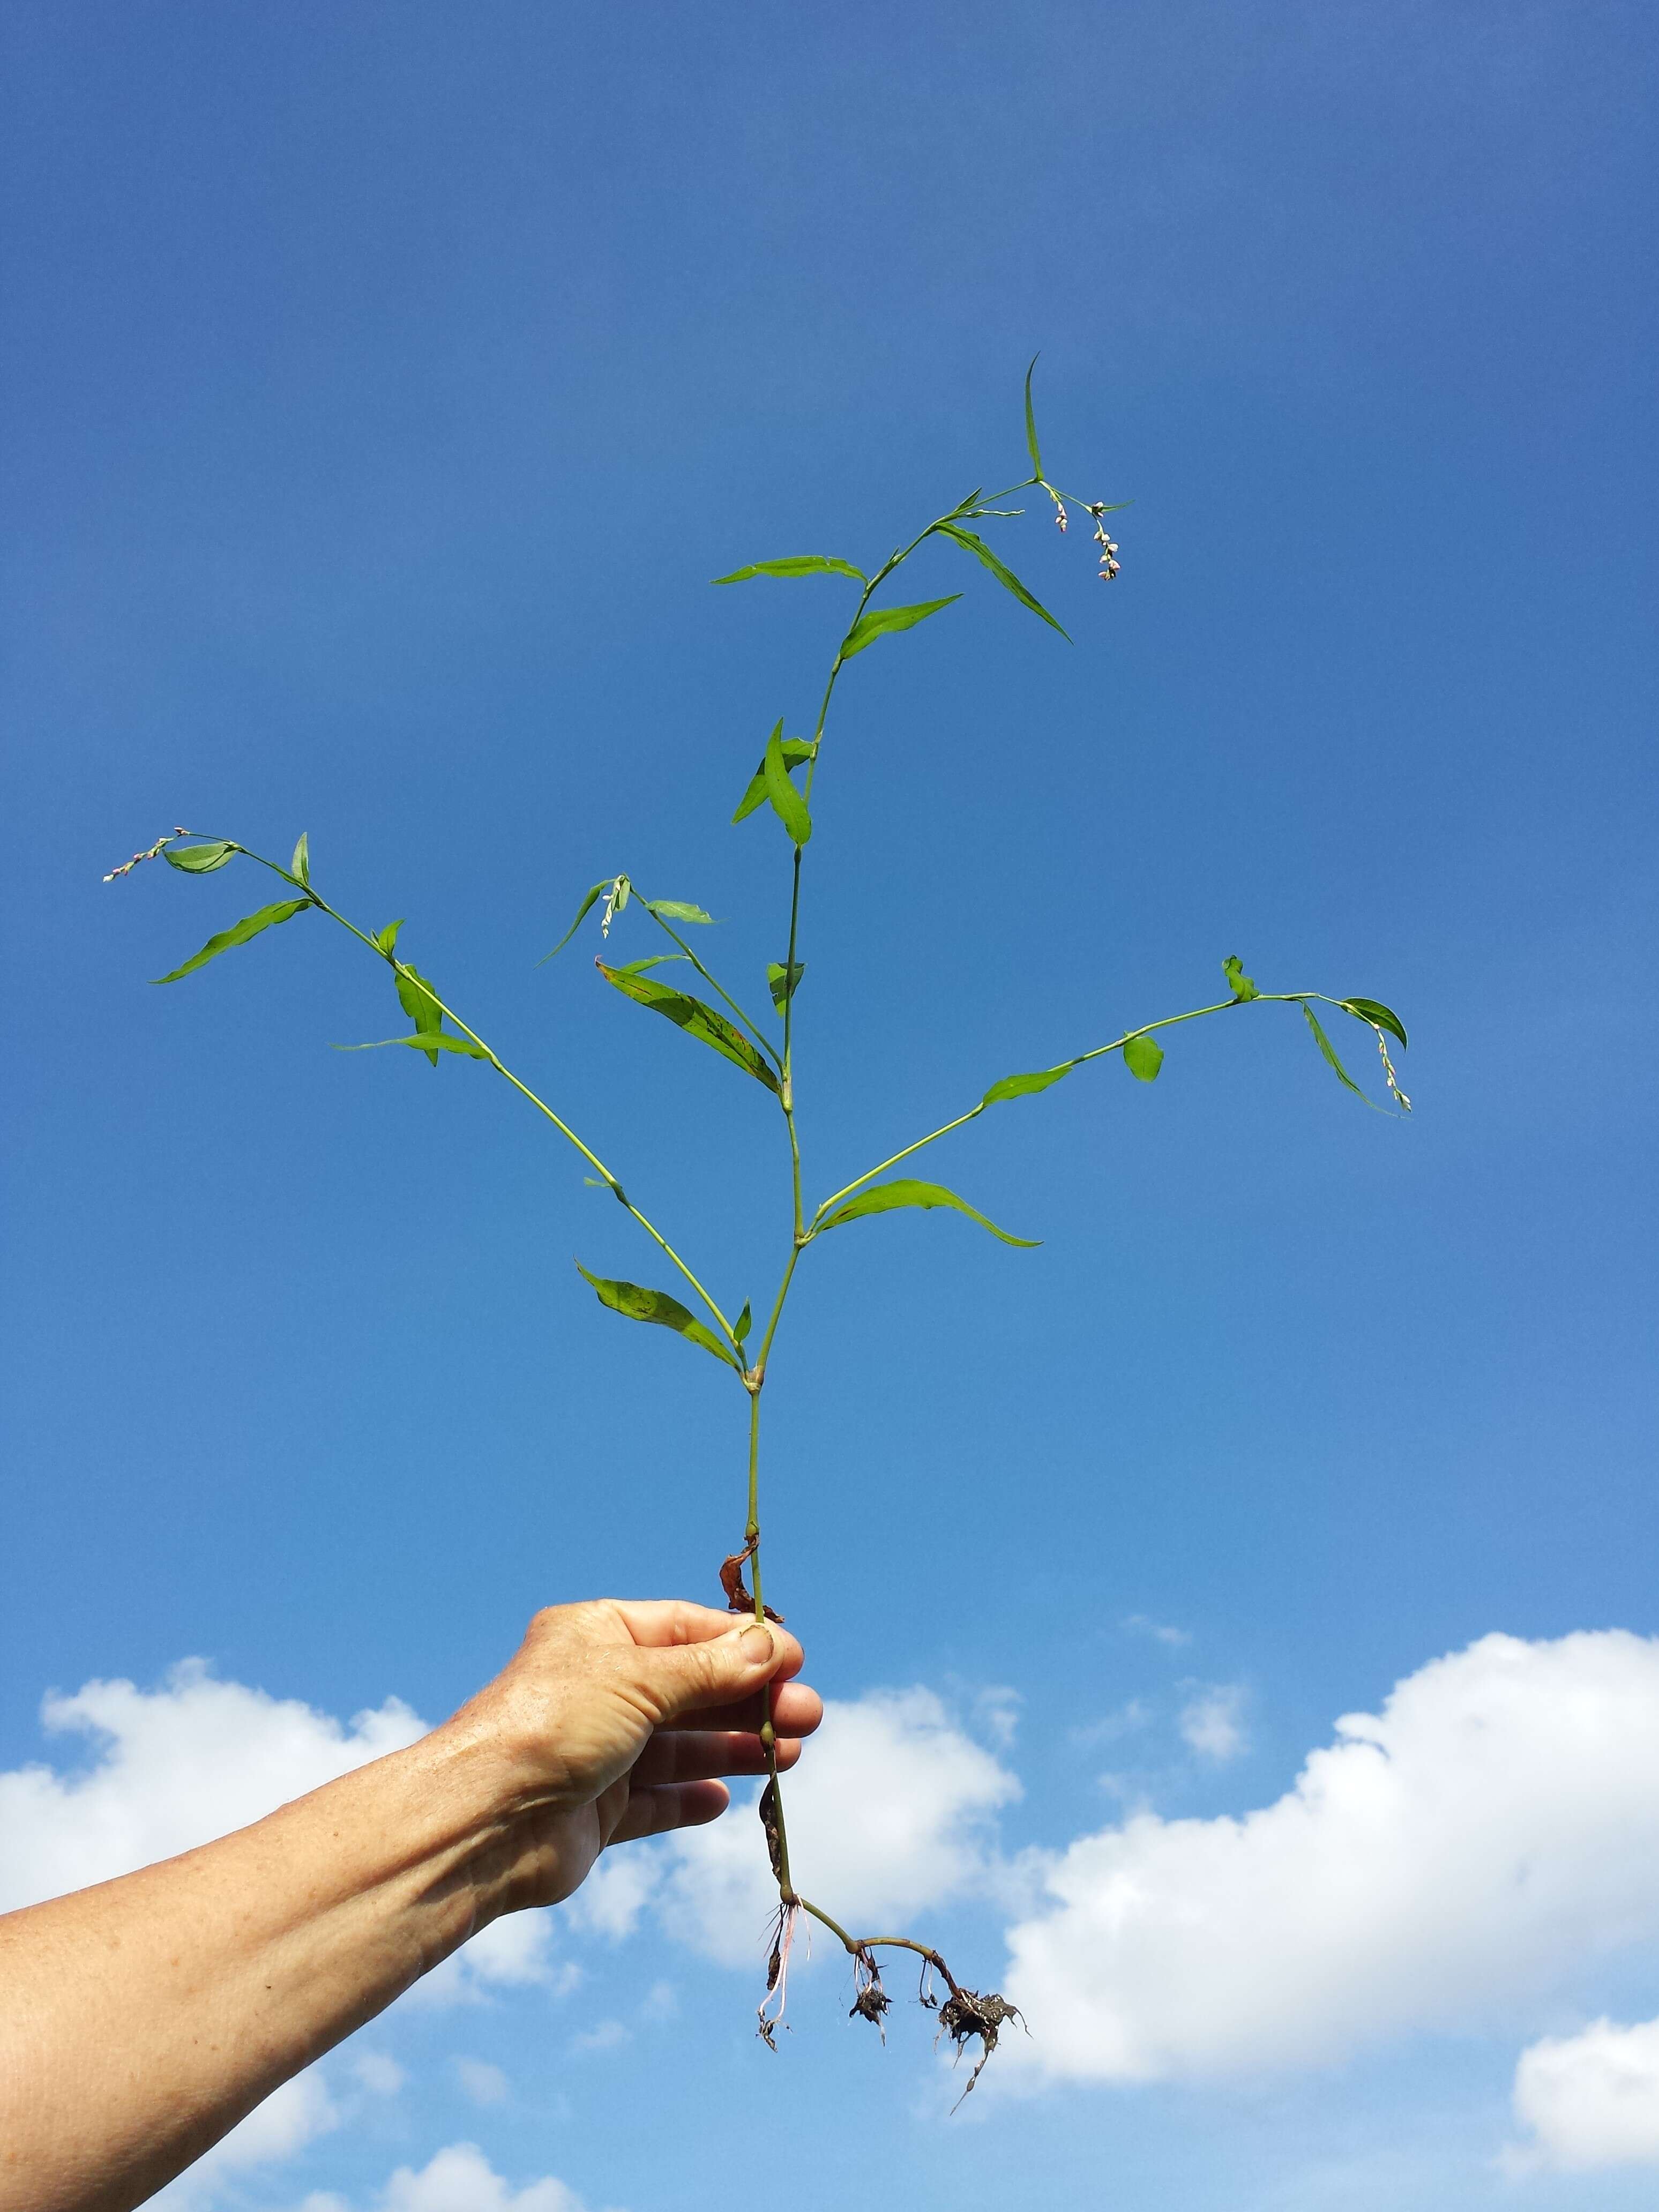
pixel 755 1645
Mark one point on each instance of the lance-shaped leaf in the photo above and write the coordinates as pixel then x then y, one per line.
pixel 1005 576
pixel 590 898
pixel 300 866
pixel 675 910
pixel 788 804
pixel 891 1197
pixel 419 1001
pixel 430 1042
pixel 881 622
pixel 641 1304
pixel 1143 1056
pixel 1373 1010
pixel 742 1324
pixel 1237 981
pixel 797 564
pixel 249 926
pixel 385 940
pixel 199 859
pixel 1030 421
pixel 696 1019
pixel 1329 1051
pixel 782 987
pixel 795 750
pixel 1025 1086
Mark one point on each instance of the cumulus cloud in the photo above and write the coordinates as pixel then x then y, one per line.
pixel 890 1814
pixel 161 1771
pixel 1447 1863
pixel 290 2118
pixel 1589 2101
pixel 380 2075
pixel 1212 1721
pixel 483 2083
pixel 170 1769
pixel 458 2179
pixel 1138 1624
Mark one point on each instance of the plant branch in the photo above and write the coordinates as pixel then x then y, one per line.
pixel 718 987
pixel 1169 1021
pixel 500 1068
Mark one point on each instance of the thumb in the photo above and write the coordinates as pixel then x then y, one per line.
pixel 686 1677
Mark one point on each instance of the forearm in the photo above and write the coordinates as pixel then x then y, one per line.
pixel 158 2009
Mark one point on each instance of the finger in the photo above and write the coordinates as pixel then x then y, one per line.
pixel 665 1620
pixel 677 1805
pixel 797 1709
pixel 684 1678
pixel 698 1754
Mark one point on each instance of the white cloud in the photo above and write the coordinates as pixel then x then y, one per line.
pixel 379 2075
pixel 458 2179
pixel 996 1714
pixel 175 1766
pixel 1134 1713
pixel 290 2118
pixel 1447 1863
pixel 483 2083
pixel 606 2036
pixel 1212 1722
pixel 888 1815
pixel 1589 2101
pixel 609 1902
pixel 1138 1625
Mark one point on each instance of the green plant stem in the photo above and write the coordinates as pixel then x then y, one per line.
pixel 523 1088
pixel 1168 1022
pixel 718 987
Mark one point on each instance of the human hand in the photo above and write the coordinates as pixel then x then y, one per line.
pixel 617 1719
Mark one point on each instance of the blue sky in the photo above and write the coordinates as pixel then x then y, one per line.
pixel 383 386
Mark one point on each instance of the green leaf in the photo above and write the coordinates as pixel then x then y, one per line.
pixel 889 1197
pixel 430 1042
pixel 418 998
pixel 652 960
pixel 798 564
pixel 1237 981
pixel 1030 421
pixel 582 912
pixel 1329 1051
pixel 1143 1056
pixel 1025 1086
pixel 300 866
pixel 385 940
pixel 881 622
pixel 795 750
pixel 696 1019
pixel 200 859
pixel 1005 577
pixel 1373 1010
pixel 249 926
pixel 775 983
pixel 741 1326
pixel 419 1001
pixel 675 910
pixel 788 804
pixel 641 1304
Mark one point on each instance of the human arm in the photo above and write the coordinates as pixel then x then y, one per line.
pixel 141 2019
